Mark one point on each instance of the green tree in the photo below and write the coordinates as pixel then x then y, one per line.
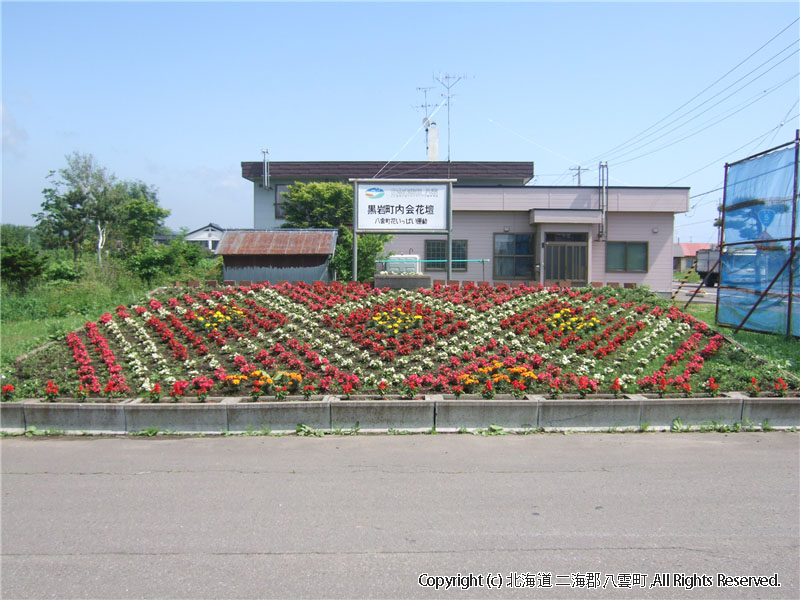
pixel 140 216
pixel 80 198
pixel 19 235
pixel 63 220
pixel 21 264
pixel 330 206
pixel 150 261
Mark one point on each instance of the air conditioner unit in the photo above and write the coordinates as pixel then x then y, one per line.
pixel 403 263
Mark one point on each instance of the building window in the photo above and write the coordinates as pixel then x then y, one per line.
pixel 513 256
pixel 280 200
pixel 626 257
pixel 214 244
pixel 436 250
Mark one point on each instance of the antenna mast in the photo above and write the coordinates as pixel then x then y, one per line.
pixel 425 106
pixel 448 82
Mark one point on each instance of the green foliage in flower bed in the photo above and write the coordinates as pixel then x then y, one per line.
pixel 343 339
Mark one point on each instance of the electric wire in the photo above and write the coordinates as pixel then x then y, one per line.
pixel 705 128
pixel 784 120
pixel 645 131
pixel 747 102
pixel 408 142
pixel 716 161
pixel 613 155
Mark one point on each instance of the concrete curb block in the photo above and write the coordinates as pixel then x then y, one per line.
pixel 382 415
pixel 106 418
pixel 12 417
pixel 405 415
pixel 662 412
pixel 191 418
pixel 452 415
pixel 779 412
pixel 284 416
pixel 561 414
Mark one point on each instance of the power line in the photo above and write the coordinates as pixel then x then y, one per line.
pixel 406 144
pixel 694 223
pixel 759 96
pixel 707 127
pixel 783 121
pixel 698 94
pixel 739 182
pixel 758 138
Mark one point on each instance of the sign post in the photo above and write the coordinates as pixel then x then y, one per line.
pixel 402 206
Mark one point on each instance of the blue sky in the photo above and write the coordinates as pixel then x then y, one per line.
pixel 178 94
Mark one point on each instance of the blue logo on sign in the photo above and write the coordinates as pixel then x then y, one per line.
pixel 374 193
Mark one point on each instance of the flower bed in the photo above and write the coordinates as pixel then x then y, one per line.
pixel 270 342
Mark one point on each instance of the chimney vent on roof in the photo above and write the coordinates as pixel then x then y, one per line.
pixel 432 133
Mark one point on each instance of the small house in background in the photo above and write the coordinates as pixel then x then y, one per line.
pixel 207 236
pixel 507 231
pixel 277 254
pixel 684 255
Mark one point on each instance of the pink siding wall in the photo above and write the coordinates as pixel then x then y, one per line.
pixel 478 228
pixel 524 198
pixel 638 227
pixel 481 212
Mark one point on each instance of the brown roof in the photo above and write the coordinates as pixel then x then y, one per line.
pixel 519 172
pixel 278 242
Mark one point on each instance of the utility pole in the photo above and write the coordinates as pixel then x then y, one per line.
pixel 579 169
pixel 448 82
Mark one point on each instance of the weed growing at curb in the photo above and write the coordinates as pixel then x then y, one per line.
pixel 492 430
pixel 149 432
pixel 306 431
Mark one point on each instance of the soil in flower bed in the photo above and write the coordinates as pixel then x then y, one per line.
pixel 350 340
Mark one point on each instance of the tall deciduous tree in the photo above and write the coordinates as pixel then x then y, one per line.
pixel 327 205
pixel 85 200
pixel 140 216
pixel 80 198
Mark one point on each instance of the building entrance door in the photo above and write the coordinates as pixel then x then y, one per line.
pixel 565 259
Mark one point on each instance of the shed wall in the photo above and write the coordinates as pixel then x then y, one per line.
pixel 307 268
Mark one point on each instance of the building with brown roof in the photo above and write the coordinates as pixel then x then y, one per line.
pixel 506 230
pixel 277 254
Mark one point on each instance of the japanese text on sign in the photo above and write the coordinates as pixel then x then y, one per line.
pixel 396 207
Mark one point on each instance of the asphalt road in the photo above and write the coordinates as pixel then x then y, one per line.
pixel 366 516
pixel 706 295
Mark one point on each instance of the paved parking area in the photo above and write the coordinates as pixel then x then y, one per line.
pixel 367 516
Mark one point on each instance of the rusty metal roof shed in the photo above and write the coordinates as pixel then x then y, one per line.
pixel 274 242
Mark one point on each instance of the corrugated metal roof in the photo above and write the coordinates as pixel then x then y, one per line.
pixel 278 242
pixel 521 172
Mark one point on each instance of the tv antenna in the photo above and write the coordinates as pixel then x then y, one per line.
pixel 426 121
pixel 425 106
pixel 448 82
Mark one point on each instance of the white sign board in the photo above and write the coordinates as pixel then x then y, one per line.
pixel 386 207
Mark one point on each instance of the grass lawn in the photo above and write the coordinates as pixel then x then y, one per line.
pixel 693 278
pixel 19 337
pixel 775 348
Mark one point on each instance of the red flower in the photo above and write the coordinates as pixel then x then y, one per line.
pixel 51 392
